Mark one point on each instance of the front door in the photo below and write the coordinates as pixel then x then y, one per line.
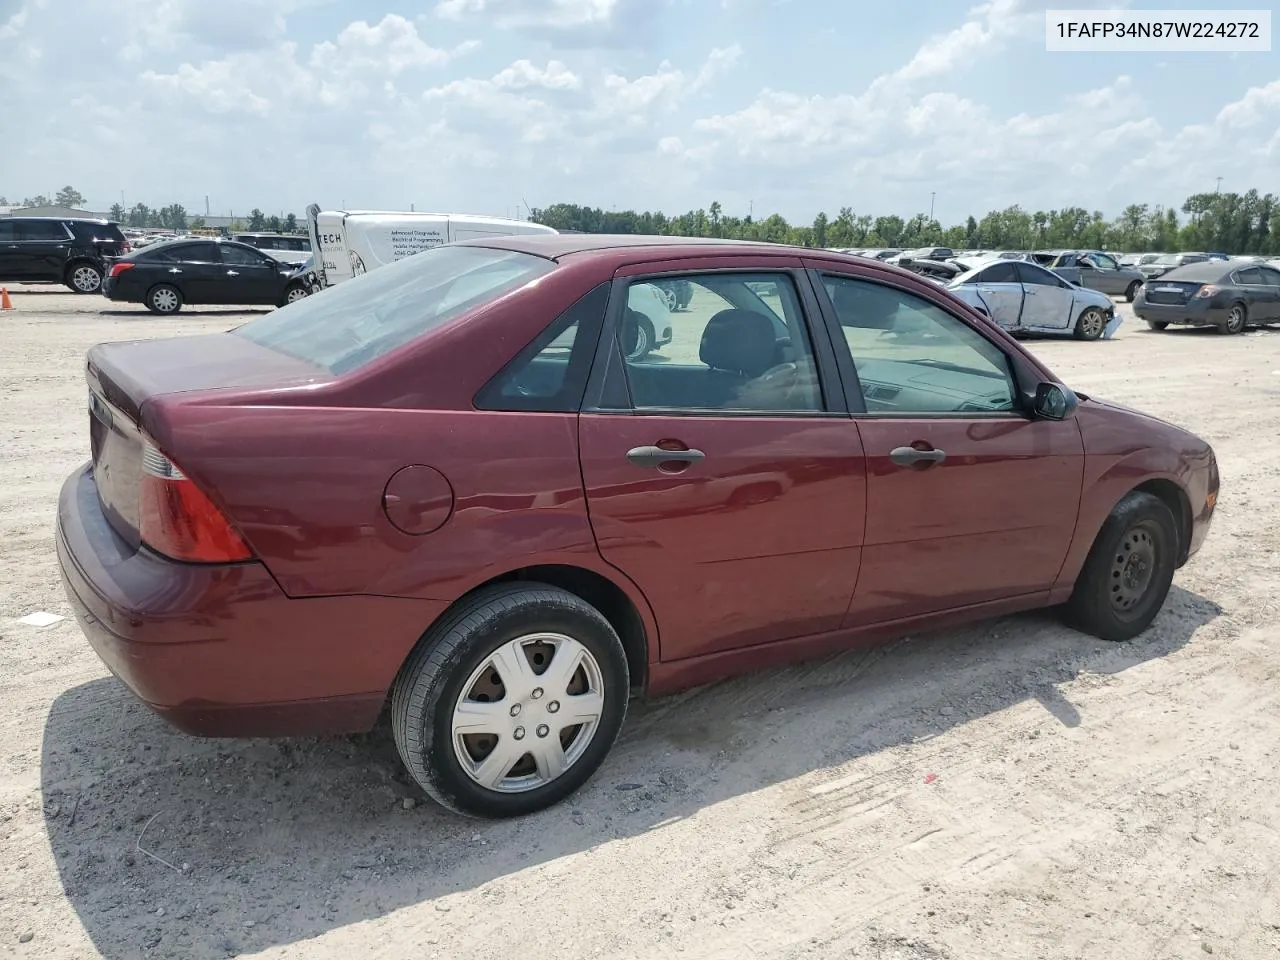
pixel 1050 302
pixel 721 477
pixel 968 499
pixel 44 248
pixel 248 276
pixel 1271 289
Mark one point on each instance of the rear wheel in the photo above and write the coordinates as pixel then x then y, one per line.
pixel 512 701
pixel 1131 293
pixel 84 278
pixel 1158 324
pixel 164 299
pixel 1237 317
pixel 642 332
pixel 1128 572
pixel 1091 324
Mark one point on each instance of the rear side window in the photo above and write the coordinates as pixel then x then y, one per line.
pixel 370 315
pixel 41 230
pixel 8 231
pixel 1251 275
pixel 96 232
pixel 183 253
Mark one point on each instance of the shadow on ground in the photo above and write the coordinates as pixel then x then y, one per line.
pixel 274 842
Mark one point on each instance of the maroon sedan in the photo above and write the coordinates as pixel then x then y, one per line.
pixel 441 487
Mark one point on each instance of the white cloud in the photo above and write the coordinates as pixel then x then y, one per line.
pixel 554 76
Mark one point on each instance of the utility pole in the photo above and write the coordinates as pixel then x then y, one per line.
pixel 932 194
pixel 206 204
pixel 1218 188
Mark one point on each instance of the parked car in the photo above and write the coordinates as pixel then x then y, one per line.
pixel 1098 271
pixel 1137 259
pixel 1213 293
pixel 880 253
pixel 286 249
pixel 927 253
pixel 1024 297
pixel 164 276
pixel 352 242
pixel 395 495
pixel 1169 261
pixel 58 250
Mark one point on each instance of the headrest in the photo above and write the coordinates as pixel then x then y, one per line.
pixel 741 341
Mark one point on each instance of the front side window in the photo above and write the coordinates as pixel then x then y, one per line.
pixel 1270 277
pixel 8 232
pixel 998 273
pixel 1102 261
pixel 740 344
pixel 913 357
pixel 241 256
pixel 372 314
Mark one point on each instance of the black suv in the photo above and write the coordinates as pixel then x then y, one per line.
pixel 55 250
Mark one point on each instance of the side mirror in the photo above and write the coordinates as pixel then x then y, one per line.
pixel 1054 402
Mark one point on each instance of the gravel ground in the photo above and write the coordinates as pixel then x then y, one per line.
pixel 1013 789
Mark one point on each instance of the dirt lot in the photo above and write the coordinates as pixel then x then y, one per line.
pixel 1012 790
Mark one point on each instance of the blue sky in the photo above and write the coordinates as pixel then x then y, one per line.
pixel 792 106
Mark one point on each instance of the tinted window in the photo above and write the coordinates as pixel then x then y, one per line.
pixel 90 232
pixel 41 230
pixel 370 315
pixel 739 344
pixel 550 374
pixel 1103 261
pixel 913 357
pixel 242 256
pixel 997 273
pixel 1032 274
pixel 1270 277
pixel 1249 275
pixel 183 253
pixel 8 231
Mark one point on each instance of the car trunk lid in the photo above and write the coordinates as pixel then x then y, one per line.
pixel 1171 292
pixel 122 377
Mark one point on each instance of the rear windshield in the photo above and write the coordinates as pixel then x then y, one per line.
pixel 368 316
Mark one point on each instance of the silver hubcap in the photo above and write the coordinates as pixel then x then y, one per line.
pixel 1092 323
pixel 165 300
pixel 642 344
pixel 297 293
pixel 528 713
pixel 86 278
pixel 1235 320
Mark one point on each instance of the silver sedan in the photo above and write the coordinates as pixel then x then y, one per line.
pixel 1023 297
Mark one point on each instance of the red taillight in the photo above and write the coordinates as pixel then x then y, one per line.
pixel 119 268
pixel 176 519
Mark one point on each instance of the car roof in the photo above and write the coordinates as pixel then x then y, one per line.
pixel 98 220
pixel 1207 270
pixel 553 246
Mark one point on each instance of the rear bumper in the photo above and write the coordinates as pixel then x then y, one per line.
pixel 1188 313
pixel 220 650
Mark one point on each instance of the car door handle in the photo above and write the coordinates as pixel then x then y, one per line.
pixel 910 456
pixel 175 270
pixel 233 273
pixel 653 456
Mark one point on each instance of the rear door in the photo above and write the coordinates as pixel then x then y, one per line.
pixel 968 499
pixel 1002 293
pixel 723 475
pixel 1271 281
pixel 12 265
pixel 194 268
pixel 44 247
pixel 1257 294
pixel 1050 301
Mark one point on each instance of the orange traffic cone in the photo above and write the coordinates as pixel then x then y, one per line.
pixel 5 302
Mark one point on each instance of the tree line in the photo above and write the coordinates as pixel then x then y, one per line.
pixel 171 217
pixel 1233 223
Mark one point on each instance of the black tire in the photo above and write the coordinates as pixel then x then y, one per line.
pixel 1237 319
pixel 84 277
pixel 1158 324
pixel 293 293
pixel 431 683
pixel 164 299
pixel 1090 324
pixel 1140 537
pixel 642 345
pixel 1131 293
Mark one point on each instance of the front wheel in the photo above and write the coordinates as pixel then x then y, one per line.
pixel 512 701
pixel 296 292
pixel 1128 572
pixel 644 337
pixel 1131 293
pixel 1091 324
pixel 164 299
pixel 1237 317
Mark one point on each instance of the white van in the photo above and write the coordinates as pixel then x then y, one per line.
pixel 350 242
